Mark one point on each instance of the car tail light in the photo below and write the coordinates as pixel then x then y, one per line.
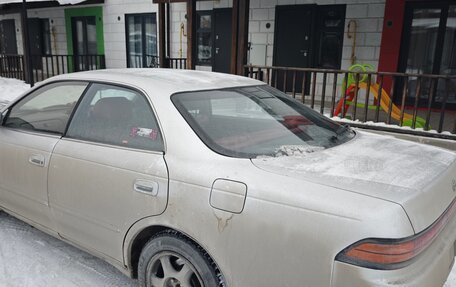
pixel 387 254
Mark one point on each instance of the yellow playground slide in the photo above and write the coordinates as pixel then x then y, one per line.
pixel 384 98
pixel 385 102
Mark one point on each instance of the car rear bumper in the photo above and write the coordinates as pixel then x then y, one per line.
pixel 430 269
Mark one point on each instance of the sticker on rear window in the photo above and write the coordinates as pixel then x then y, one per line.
pixel 144 132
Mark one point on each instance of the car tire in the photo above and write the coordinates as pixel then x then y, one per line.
pixel 170 259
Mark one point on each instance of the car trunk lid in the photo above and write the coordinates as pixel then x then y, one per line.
pixel 421 178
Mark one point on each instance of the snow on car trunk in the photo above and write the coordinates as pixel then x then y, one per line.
pixel 419 177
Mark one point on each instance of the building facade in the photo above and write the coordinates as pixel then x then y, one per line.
pixel 400 36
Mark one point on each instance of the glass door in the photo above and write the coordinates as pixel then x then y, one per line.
pixel 429 48
pixel 141 30
pixel 84 42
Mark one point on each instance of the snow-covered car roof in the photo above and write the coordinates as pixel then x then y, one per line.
pixel 168 81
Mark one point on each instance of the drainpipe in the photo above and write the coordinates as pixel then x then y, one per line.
pixel 26 44
pixel 351 33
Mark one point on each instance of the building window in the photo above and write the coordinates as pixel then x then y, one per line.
pixel 46 37
pixel 330 33
pixel 429 47
pixel 141 34
pixel 204 38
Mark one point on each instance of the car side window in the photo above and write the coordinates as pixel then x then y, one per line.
pixel 47 109
pixel 117 116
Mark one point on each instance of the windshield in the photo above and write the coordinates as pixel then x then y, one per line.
pixel 257 121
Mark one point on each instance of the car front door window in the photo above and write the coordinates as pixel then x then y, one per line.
pixel 47 109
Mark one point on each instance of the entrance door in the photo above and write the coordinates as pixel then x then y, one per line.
pixel 84 42
pixel 36 40
pixel 141 36
pixel 430 48
pixel 293 43
pixel 222 40
pixel 307 36
pixel 8 37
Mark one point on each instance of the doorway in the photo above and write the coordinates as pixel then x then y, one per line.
pixel 84 42
pixel 306 36
pixel 213 39
pixel 8 44
pixel 222 40
pixel 40 40
pixel 141 34
pixel 293 44
pixel 429 47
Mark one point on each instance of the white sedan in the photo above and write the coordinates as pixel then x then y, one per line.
pixel 186 178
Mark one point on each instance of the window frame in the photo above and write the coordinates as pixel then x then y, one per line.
pixel 404 51
pixel 199 31
pixel 7 111
pixel 144 62
pixel 124 86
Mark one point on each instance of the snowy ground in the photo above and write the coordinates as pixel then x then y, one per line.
pixel 29 257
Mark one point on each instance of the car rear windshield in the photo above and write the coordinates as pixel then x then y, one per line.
pixel 257 121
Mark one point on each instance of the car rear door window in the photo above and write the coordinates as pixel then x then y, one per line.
pixel 46 109
pixel 117 116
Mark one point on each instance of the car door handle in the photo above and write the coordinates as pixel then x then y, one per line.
pixel 146 187
pixel 37 159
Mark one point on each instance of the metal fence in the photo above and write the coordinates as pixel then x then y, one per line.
pixel 43 67
pixel 176 63
pixel 152 61
pixel 419 101
pixel 12 66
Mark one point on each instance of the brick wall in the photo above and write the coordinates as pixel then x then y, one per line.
pixel 178 46
pixel 368 15
pixel 56 18
pixel 114 28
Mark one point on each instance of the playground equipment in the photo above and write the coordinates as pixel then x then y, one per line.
pixel 383 98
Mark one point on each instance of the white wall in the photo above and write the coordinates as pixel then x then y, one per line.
pixel 114 29
pixel 367 13
pixel 56 18
pixel 178 44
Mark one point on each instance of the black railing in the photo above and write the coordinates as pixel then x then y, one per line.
pixel 420 102
pixel 43 67
pixel 152 61
pixel 12 66
pixel 176 63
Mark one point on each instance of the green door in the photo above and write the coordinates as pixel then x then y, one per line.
pixel 85 42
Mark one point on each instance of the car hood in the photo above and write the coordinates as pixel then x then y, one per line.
pixel 419 177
